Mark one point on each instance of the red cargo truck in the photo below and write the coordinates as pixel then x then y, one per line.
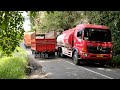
pixel 86 42
pixel 43 44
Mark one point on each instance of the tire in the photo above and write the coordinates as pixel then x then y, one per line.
pixel 42 55
pixel 61 54
pixel 25 46
pixel 52 54
pixel 75 58
pixel 32 52
pixel 58 52
pixel 46 55
pixel 103 63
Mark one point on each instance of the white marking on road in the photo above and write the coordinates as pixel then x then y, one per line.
pixel 104 69
pixel 108 70
pixel 50 61
pixel 67 68
pixel 91 71
pixel 100 68
pixel 75 74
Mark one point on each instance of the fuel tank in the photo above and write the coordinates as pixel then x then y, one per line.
pixel 66 38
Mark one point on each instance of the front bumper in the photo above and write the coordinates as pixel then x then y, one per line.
pixel 90 56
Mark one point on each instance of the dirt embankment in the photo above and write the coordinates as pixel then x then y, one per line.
pixel 34 69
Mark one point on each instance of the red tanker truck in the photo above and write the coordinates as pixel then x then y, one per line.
pixel 86 42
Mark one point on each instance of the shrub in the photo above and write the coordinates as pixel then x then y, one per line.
pixel 14 67
pixel 115 60
pixel 1 53
pixel 19 52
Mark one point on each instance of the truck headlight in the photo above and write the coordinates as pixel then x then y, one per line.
pixel 85 55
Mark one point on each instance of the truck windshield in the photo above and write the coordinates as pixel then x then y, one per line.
pixel 97 35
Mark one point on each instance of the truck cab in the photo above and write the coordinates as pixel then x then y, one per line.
pixel 88 42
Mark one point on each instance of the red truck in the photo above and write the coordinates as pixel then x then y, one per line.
pixel 86 42
pixel 43 44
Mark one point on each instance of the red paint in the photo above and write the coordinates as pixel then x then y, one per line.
pixel 71 41
pixel 43 44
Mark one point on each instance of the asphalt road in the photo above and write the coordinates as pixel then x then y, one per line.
pixel 64 68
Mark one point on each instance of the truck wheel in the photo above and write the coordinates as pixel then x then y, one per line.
pixel 75 58
pixel 25 46
pixel 58 52
pixel 103 63
pixel 42 55
pixel 52 54
pixel 32 51
pixel 61 54
pixel 46 55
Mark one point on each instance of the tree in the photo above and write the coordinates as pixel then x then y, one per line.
pixel 56 20
pixel 11 30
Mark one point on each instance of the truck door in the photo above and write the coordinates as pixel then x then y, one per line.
pixel 78 39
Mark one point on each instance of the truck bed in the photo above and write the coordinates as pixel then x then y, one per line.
pixel 43 45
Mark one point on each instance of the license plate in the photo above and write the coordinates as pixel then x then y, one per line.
pixel 99 55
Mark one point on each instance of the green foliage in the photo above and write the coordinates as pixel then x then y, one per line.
pixel 0 54
pixel 57 20
pixel 11 30
pixel 13 67
pixel 32 15
pixel 115 60
pixel 60 20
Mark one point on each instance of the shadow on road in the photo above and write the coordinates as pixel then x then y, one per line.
pixel 88 64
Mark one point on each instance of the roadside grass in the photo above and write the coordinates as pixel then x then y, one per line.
pixel 20 52
pixel 0 54
pixel 14 67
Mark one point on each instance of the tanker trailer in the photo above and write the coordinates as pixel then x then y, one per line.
pixel 65 43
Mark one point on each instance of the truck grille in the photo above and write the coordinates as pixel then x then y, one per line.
pixel 98 50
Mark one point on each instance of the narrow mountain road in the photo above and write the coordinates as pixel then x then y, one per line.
pixel 64 68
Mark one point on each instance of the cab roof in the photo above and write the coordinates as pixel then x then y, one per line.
pixel 92 26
